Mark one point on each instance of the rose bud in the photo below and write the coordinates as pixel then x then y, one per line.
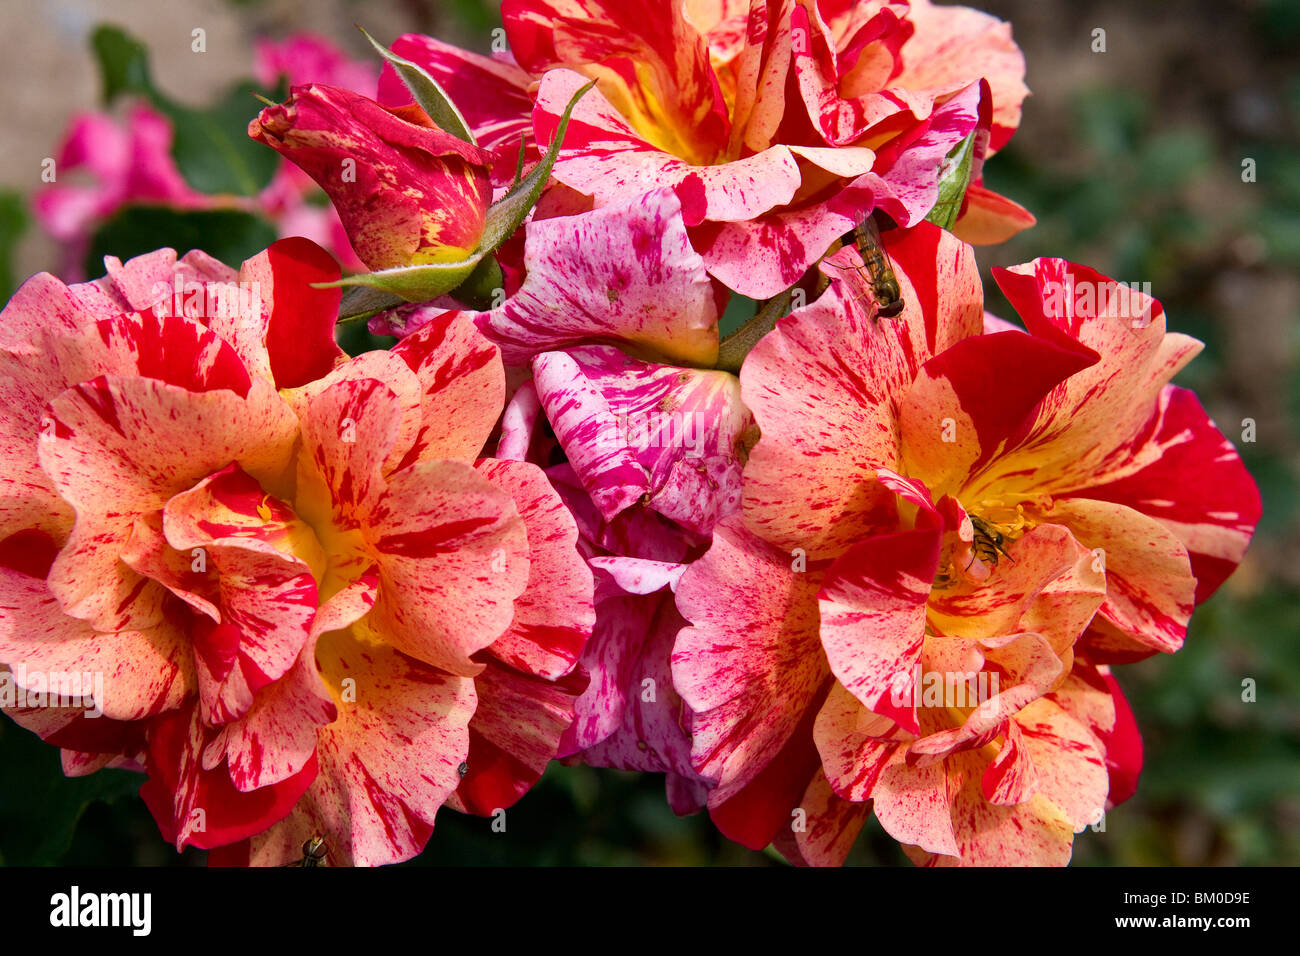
pixel 408 193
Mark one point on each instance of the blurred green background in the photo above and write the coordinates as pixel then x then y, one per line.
pixel 1132 161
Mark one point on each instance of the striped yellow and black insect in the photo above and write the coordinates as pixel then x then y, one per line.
pixel 987 544
pixel 314 852
pixel 884 283
pixel 876 266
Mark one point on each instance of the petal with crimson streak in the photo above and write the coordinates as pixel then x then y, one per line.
pixel 749 678
pixel 198 807
pixel 873 607
pixel 1149 583
pixel 112 452
pixel 463 388
pixel 145 672
pixel 515 733
pixel 452 554
pixel 828 381
pixel 651 61
pixel 832 826
pixel 965 386
pixel 1087 428
pixel 1033 833
pixel 276 738
pixel 1217 505
pixel 951 44
pixel 604 157
pixel 390 759
pixel 553 618
pixel 291 338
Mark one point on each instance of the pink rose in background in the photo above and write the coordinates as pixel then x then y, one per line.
pixel 106 162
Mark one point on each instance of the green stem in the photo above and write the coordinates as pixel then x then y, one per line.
pixel 733 349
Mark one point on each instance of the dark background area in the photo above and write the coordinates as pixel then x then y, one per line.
pixel 1132 161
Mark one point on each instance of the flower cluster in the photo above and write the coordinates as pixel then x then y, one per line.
pixel 876 551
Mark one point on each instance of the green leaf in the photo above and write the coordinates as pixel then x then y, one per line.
pixel 226 234
pixel 13 222
pixel 428 94
pixel 123 63
pixel 39 806
pixel 504 218
pixel 479 290
pixel 360 302
pixel 954 177
pixel 211 146
pixel 412 283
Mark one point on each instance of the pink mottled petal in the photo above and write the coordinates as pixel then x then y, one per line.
pixel 658 297
pixel 748 678
pixel 650 735
pixel 668 437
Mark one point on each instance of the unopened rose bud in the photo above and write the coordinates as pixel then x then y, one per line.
pixel 408 193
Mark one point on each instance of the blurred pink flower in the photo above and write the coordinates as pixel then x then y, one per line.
pixel 107 162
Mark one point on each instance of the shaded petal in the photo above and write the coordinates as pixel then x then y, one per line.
pixel 749 677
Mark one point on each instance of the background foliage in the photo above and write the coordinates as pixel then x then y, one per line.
pixel 1131 159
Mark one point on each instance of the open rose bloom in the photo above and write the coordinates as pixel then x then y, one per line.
pixel 309 606
pixel 950 528
pixel 779 125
